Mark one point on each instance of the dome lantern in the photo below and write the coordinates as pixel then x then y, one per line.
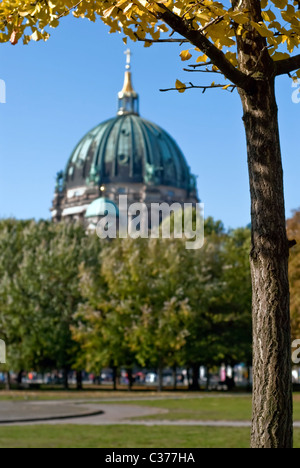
pixel 128 99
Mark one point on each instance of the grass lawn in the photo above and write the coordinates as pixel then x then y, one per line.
pixel 41 395
pixel 125 437
pixel 122 437
pixel 211 408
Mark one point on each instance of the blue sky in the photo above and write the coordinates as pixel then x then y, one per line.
pixel 58 90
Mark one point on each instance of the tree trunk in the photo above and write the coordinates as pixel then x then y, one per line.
pixel 7 381
pixel 249 382
pixel 115 376
pixel 19 378
pixel 65 377
pixel 195 378
pixel 207 379
pixel 175 378
pixel 188 377
pixel 160 379
pixel 272 377
pixel 130 379
pixel 79 380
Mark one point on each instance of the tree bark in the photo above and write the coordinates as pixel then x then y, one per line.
pixel 272 377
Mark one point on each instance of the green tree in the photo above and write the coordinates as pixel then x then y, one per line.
pixel 103 321
pixel 158 304
pixel 134 310
pixel 293 228
pixel 41 294
pixel 11 255
pixel 220 318
pixel 236 297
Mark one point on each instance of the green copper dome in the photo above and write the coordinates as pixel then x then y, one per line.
pixel 127 149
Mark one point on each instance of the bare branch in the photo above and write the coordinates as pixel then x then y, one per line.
pixel 154 41
pixel 211 23
pixel 204 88
pixel 287 66
pixel 202 71
pixel 201 65
pixel 199 40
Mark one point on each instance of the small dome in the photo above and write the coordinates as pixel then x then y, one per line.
pixel 127 149
pixel 101 207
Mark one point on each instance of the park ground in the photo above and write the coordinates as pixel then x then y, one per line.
pixel 144 420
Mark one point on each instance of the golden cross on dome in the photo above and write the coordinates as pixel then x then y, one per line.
pixel 128 54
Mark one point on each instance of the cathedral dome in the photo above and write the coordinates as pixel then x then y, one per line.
pixel 127 149
pixel 123 155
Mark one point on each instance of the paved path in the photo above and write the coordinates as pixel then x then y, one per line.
pixel 70 412
pixel 82 412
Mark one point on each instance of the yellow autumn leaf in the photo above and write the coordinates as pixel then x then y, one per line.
pixel 280 3
pixel 163 28
pixel 239 17
pixel 202 58
pixel 109 11
pixel 268 16
pixel 226 87
pixel 36 36
pixel 185 55
pixel 231 56
pixel 262 29
pixel 181 87
pixel 280 56
pixel 27 12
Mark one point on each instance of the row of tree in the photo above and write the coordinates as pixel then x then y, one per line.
pixel 70 301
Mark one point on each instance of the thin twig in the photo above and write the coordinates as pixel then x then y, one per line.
pixel 201 65
pixel 204 88
pixel 70 9
pixel 153 41
pixel 212 22
pixel 202 71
